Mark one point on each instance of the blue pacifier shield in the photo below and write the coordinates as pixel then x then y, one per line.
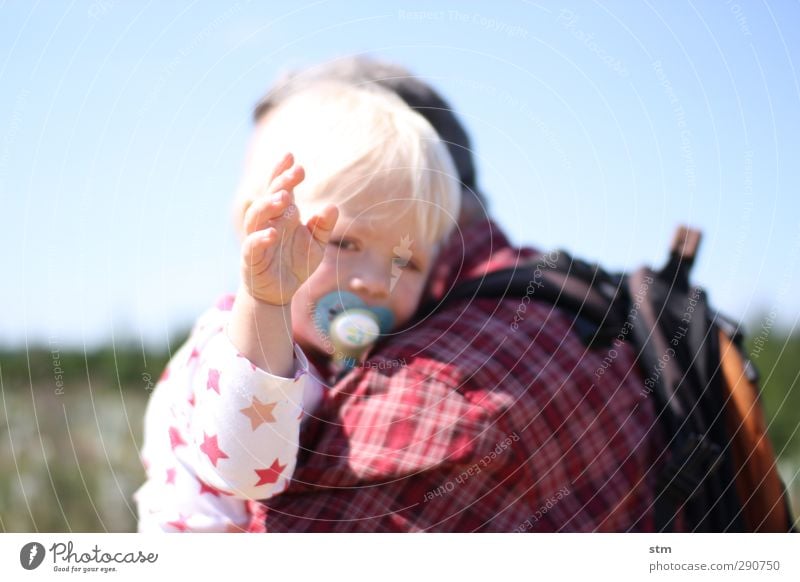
pixel 334 303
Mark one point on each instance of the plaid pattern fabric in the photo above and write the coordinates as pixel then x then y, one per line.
pixel 462 424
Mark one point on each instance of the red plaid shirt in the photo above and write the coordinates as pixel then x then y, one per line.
pixel 462 423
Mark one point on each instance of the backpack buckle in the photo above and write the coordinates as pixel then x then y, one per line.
pixel 694 460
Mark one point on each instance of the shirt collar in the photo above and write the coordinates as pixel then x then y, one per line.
pixel 472 252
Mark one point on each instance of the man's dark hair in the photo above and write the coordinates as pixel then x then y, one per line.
pixel 367 71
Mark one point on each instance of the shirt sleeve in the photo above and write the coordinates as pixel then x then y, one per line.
pixel 218 432
pixel 384 424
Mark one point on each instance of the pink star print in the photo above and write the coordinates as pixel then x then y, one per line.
pixel 225 303
pixel 271 474
pixel 213 380
pixel 211 448
pixel 179 524
pixel 175 439
pixel 206 488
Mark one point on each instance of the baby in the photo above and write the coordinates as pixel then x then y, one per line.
pixel 381 196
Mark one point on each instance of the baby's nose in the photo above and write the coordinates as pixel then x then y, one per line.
pixel 375 285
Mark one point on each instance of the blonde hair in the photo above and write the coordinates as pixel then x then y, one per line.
pixel 352 140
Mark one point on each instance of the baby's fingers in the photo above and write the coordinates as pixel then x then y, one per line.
pixel 288 179
pixel 321 225
pixel 283 165
pixel 265 209
pixel 258 249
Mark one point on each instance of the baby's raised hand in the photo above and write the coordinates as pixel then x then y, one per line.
pixel 279 252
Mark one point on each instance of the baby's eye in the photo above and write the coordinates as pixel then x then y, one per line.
pixel 343 244
pixel 409 265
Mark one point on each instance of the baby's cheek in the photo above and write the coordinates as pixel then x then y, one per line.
pixel 408 295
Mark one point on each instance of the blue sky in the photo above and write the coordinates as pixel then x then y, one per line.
pixel 598 126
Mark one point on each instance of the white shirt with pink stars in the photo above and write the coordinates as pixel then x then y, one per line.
pixel 218 433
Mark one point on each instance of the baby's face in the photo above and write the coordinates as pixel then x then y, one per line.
pixel 378 259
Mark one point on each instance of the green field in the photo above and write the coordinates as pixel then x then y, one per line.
pixel 71 431
pixel 69 441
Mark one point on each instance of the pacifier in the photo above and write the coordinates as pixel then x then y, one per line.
pixel 352 325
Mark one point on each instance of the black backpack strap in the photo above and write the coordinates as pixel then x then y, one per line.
pixel 591 295
pixel 676 335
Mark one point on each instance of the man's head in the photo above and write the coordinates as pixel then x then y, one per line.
pixel 392 179
pixel 421 97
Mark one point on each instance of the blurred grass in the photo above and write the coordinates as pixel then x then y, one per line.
pixel 776 355
pixel 69 457
pixel 69 454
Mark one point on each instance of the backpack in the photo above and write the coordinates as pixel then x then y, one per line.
pixel 718 470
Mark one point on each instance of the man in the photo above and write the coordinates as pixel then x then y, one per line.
pixel 484 415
